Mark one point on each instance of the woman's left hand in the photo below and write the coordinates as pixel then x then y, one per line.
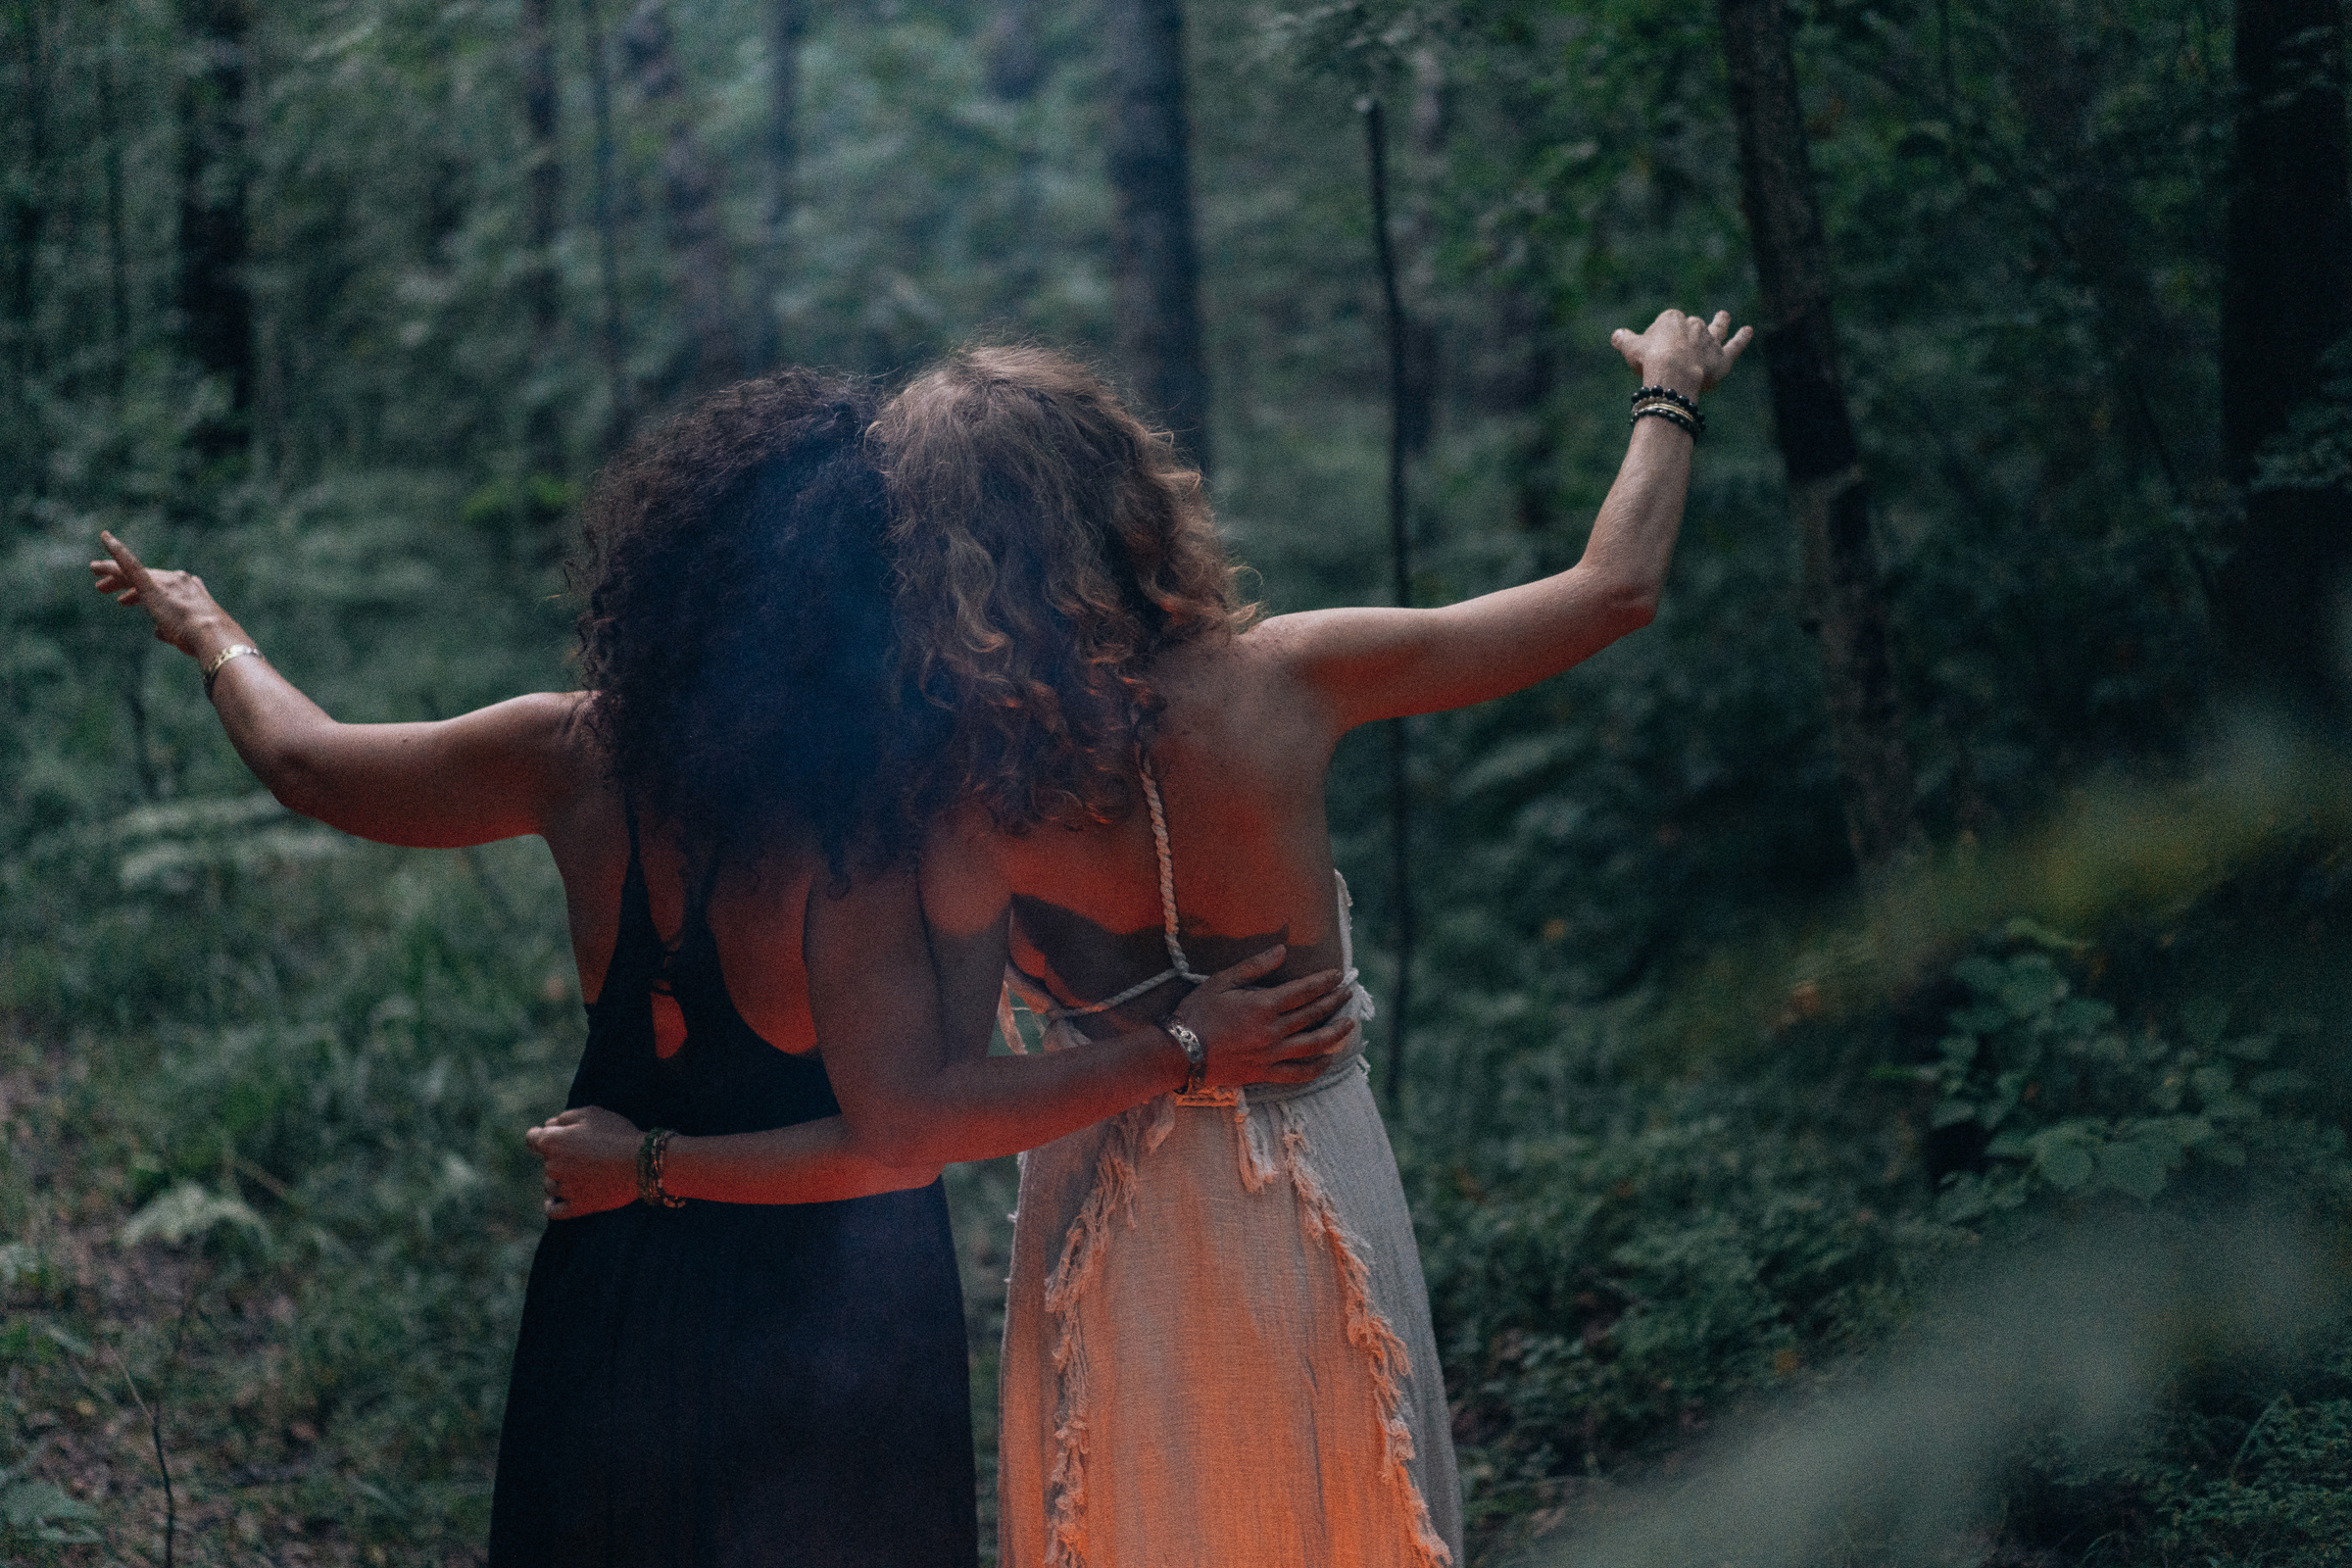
pixel 591 1158
pixel 183 613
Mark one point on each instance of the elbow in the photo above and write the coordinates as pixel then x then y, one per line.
pixel 294 778
pixel 1632 607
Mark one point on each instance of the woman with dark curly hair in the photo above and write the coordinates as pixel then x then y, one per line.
pixel 1217 1345
pixel 776 1374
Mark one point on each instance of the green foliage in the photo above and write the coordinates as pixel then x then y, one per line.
pixel 2075 1105
pixel 34 1514
pixel 1679 1136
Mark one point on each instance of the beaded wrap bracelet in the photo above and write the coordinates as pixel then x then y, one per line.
pixel 1667 404
pixel 651 1154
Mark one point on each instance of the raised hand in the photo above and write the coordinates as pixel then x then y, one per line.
pixel 183 613
pixel 1687 353
pixel 1276 1034
pixel 591 1159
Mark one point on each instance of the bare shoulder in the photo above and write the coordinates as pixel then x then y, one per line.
pixel 1268 678
pixel 964 886
pixel 551 741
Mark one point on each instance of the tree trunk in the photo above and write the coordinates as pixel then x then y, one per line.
pixel 1159 270
pixel 689 201
pixel 1828 498
pixel 117 247
pixel 787 27
pixel 611 334
pixel 2286 297
pixel 216 304
pixel 1015 68
pixel 28 203
pixel 1400 586
pixel 543 207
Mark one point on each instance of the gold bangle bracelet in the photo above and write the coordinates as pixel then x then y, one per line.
pixel 212 668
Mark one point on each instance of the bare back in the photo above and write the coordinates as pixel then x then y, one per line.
pixel 755 917
pixel 1241 757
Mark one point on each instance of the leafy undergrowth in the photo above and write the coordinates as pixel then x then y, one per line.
pixel 263 1195
pixel 283 1225
pixel 1677 1257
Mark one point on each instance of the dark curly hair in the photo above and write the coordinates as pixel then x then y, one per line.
pixel 1048 546
pixel 738 631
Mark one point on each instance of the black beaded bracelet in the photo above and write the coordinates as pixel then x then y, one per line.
pixel 1689 426
pixel 1672 396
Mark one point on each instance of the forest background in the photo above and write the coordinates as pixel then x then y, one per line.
pixel 1949 890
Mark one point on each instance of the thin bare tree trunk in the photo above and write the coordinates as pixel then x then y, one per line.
pixel 117 249
pixel 28 203
pixel 1827 497
pixel 1401 586
pixel 543 196
pixel 787 27
pixel 1016 69
pixel 611 339
pixel 2287 296
pixel 1158 267
pixel 689 201
pixel 215 300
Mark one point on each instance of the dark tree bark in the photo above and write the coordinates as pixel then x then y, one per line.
pixel 1015 66
pixel 1828 498
pixel 213 299
pixel 1400 568
pixel 787 27
pixel 543 222
pixel 28 204
pixel 117 247
pixel 612 336
pixel 689 201
pixel 1158 268
pixel 1526 391
pixel 2286 297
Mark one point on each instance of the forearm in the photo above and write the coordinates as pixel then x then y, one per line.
pixel 982 1107
pixel 812 1162
pixel 270 722
pixel 1632 539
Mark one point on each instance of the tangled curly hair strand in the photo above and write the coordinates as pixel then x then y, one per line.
pixel 1048 547
pixel 738 629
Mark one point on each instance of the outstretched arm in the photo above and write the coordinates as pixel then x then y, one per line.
pixel 1370 663
pixel 490 774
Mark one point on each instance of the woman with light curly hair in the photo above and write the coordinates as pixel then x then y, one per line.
pixel 1217 1346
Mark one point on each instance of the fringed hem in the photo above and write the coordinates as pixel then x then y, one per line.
pixel 1369 1332
pixel 1114 1189
pixel 1080 1266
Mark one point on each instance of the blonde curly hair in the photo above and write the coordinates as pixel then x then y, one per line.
pixel 1048 547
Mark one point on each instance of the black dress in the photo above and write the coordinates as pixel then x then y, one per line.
pixel 728 1384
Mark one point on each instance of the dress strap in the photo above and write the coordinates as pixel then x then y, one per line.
pixel 1177 963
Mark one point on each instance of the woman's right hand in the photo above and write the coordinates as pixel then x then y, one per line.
pixel 1285 1034
pixel 591 1159
pixel 1691 354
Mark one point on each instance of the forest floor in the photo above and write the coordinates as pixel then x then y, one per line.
pixel 246 1485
